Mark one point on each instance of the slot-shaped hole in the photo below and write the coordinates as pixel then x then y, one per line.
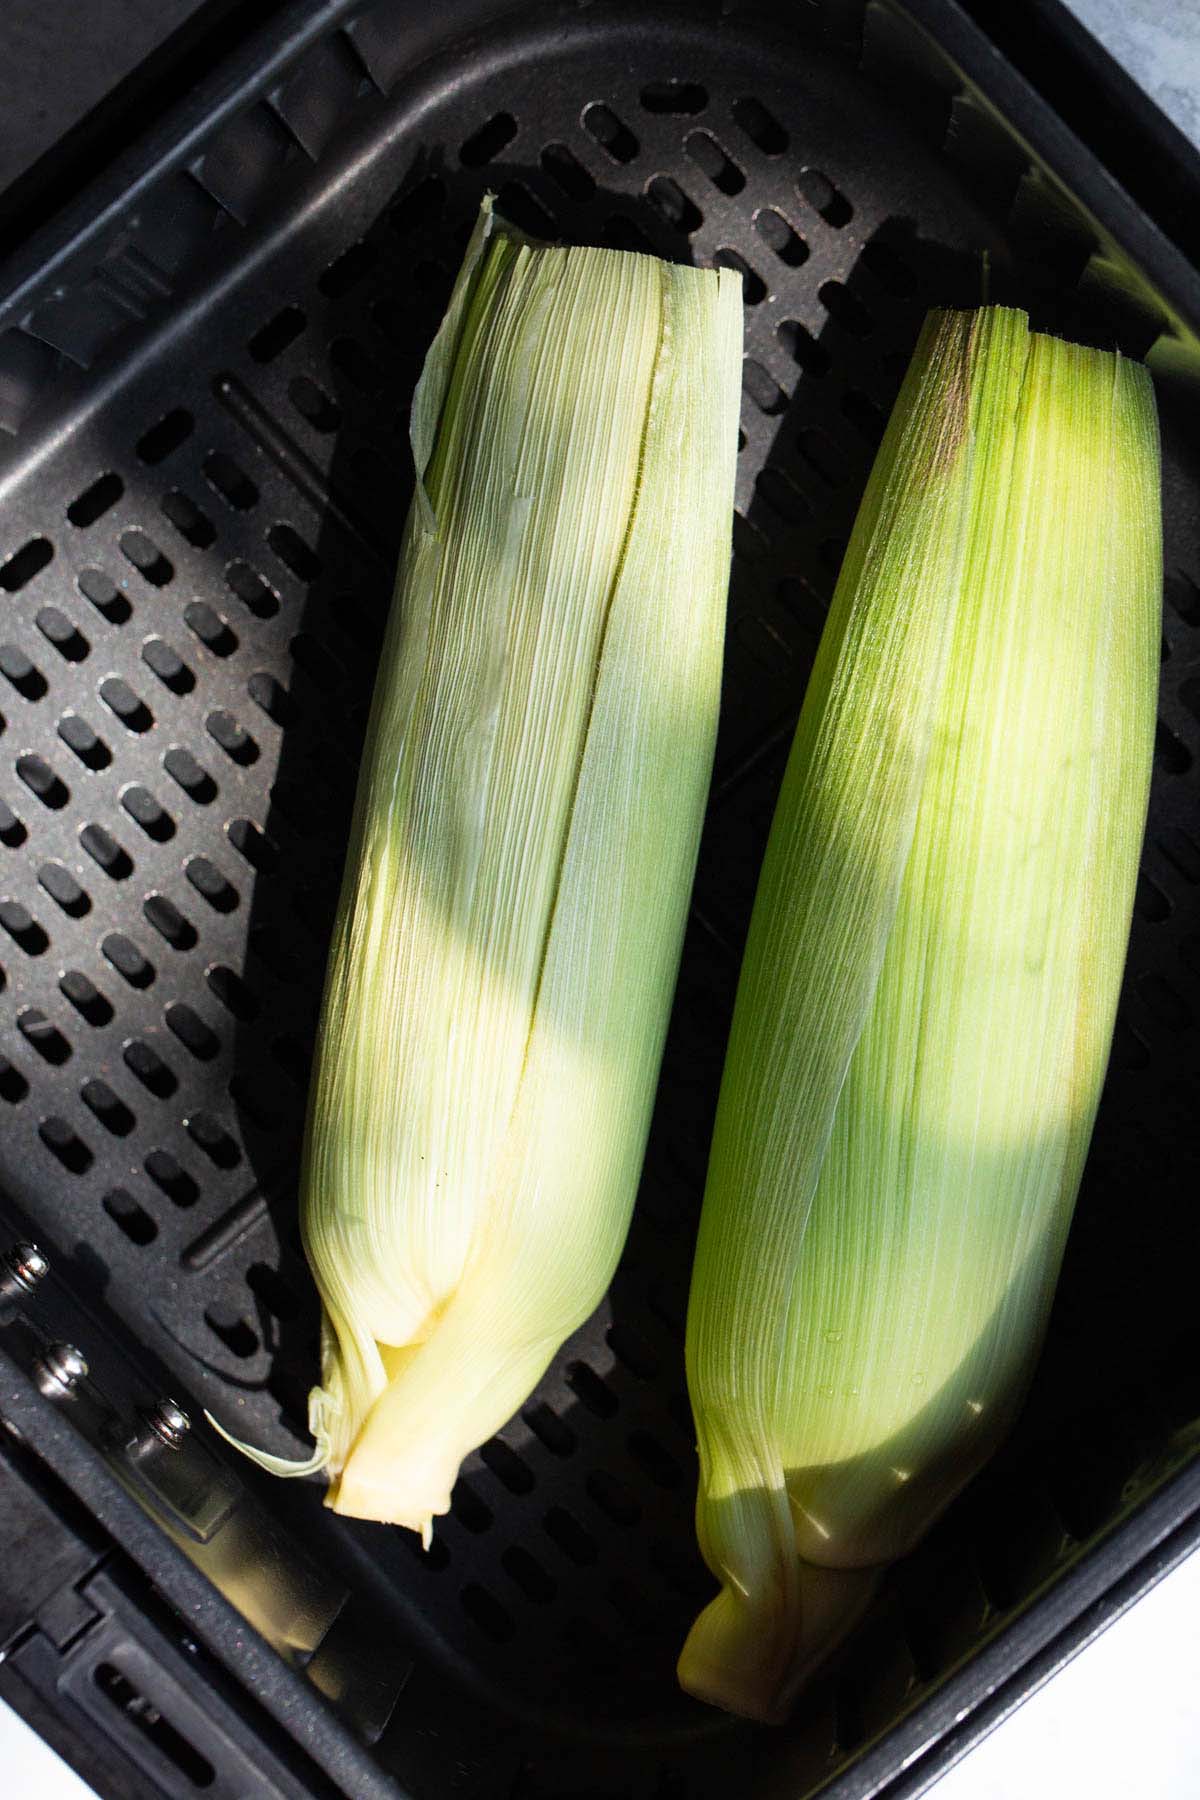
pixel 615 1500
pixel 253 844
pixel 677 208
pixel 1164 1002
pixel 621 233
pixel 24 674
pixel 825 198
pixel 41 780
pixel 846 309
pixel 1183 596
pixel 822 455
pixel 255 593
pixel 104 595
pixel 566 171
pixel 172 430
pixel 657 1461
pixel 65 1144
pixel 573 1539
pixel 867 418
pixel 169 922
pixel 1151 903
pixel 593 1392
pixel 129 707
pixel 63 633
pixel 763 388
pixel 294 553
pixel 473 1513
pixel 890 270
pixel 632 1350
pixel 127 959
pixel 484 145
pixel 79 738
pixel 12 831
pixel 195 1036
pixel 715 162
pixel 25 563
pixel 484 1610
pixel 347 270
pixel 171 1178
pixel 226 478
pixel 270 695
pixel 129 1217
pixel 520 204
pixel 511 1470
pixel 351 361
pixel 784 498
pixel 43 1036
pixel 64 890
pixel 145 811
pixel 233 738
pixel 524 1569
pixel 313 404
pixel 1130 1050
pixel 148 1067
pixel 214 632
pixel 105 851
pixel 749 543
pixel 273 338
pixel 108 1107
pixel 95 500
pixel 210 884
pixel 191 776
pixel 754 288
pixel 237 1334
pixel 674 97
pixel 760 126
pixel 91 1005
pixel 803 347
pixel 780 237
pixel 272 1291
pixel 209 1135
pixel 611 133
pixel 1182 852
pixel 420 207
pixel 1170 753
pixel 13 1086
pixel 232 992
pixel 168 665
pixel 551 1431
pixel 146 557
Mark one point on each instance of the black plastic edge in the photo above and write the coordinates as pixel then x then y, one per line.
pixel 1075 75
pixel 1072 160
pixel 208 93
pixel 283 1694
pixel 1055 1626
pixel 149 94
pixel 1090 1624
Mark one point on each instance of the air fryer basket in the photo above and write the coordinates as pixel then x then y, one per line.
pixel 202 500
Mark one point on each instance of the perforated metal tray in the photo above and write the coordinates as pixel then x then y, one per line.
pixel 202 487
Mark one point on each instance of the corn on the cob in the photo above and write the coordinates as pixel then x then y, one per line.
pixel 522 852
pixel 929 987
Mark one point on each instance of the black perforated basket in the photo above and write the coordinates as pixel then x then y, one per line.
pixel 205 365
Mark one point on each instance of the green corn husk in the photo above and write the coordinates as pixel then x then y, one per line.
pixel 524 841
pixel 929 987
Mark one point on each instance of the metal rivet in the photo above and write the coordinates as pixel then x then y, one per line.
pixel 60 1369
pixel 168 1421
pixel 22 1266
